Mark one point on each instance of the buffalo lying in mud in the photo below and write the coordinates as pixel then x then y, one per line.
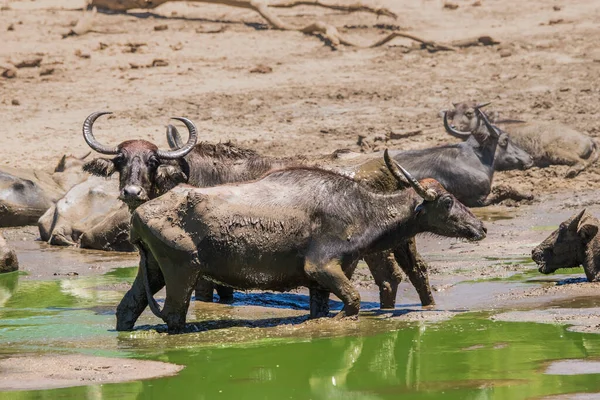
pixel 294 227
pixel 8 258
pixel 548 142
pixel 574 243
pixel 465 169
pixel 89 215
pixel 26 194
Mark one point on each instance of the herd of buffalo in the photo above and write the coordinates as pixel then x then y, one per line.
pixel 209 217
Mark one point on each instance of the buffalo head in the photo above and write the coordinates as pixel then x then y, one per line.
pixel 466 122
pixel 566 246
pixel 440 212
pixel 144 171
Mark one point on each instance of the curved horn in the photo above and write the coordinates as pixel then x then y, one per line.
pixel 491 128
pixel 452 131
pixel 174 154
pixel 173 138
pixel 400 173
pixel 478 106
pixel 89 136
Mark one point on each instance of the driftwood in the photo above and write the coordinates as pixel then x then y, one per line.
pixel 327 31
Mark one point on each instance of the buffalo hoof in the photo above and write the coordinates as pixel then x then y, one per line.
pixel 345 317
pixel 225 294
pixel 124 326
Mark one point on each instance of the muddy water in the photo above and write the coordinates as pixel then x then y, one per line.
pixel 269 350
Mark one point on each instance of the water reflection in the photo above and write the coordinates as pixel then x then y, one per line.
pixel 256 352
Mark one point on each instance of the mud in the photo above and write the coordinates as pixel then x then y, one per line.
pixel 56 371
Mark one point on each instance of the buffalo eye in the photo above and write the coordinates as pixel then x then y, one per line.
pixel 503 142
pixel 119 161
pixel 469 113
pixel 448 202
pixel 153 162
pixel 562 228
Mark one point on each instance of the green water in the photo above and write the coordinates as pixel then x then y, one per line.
pixel 466 357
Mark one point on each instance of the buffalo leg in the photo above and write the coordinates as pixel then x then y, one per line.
pixel 331 277
pixel 386 273
pixel 179 280
pixel 225 294
pixel 416 269
pixel 204 290
pixel 591 272
pixel 500 193
pixel 319 303
pixel 135 300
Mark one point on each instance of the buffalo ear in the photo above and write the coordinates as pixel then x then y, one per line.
pixel 575 222
pixel 60 167
pixel 587 231
pixel 100 167
pixel 169 176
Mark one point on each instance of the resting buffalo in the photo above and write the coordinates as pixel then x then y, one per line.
pixel 574 243
pixel 548 143
pixel 89 215
pixel 465 169
pixel 26 194
pixel 294 227
pixel 8 258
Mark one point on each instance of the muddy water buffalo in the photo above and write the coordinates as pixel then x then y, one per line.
pixel 26 194
pixel 549 143
pixel 68 172
pixel 374 175
pixel 574 243
pixel 81 215
pixel 23 200
pixel 8 258
pixel 294 227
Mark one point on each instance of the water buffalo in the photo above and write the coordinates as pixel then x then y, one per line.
pixel 145 172
pixel 26 194
pixel 8 258
pixel 68 172
pixel 574 243
pixel 548 143
pixel 465 169
pixel 294 227
pixel 89 215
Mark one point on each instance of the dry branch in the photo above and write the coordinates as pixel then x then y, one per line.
pixel 327 31
pixel 348 8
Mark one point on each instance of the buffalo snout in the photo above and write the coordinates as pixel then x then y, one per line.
pixel 133 194
pixel 480 233
pixel 528 163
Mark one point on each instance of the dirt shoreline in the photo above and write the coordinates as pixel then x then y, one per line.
pixel 51 371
